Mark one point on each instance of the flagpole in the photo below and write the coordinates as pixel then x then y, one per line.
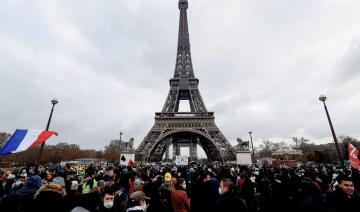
pixel 323 99
pixel 119 152
pixel 53 102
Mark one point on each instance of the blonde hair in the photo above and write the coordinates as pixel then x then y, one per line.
pixel 52 187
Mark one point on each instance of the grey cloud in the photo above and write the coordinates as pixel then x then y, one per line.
pixel 261 66
pixel 350 64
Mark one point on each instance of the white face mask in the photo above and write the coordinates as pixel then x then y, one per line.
pixel 220 192
pixel 108 204
pixel 252 179
pixel 184 186
pixel 144 205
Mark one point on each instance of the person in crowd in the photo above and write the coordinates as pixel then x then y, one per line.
pixel 108 198
pixel 27 193
pixel 345 197
pixel 172 183
pixel 179 197
pixel 50 174
pixel 8 183
pixel 228 201
pixel 156 204
pixel 121 198
pixel 311 197
pixel 23 198
pixel 137 202
pixel 19 183
pixel 50 198
pixel 249 192
pixel 89 182
pixel 72 194
pixel 79 209
pixel 167 180
pixel 240 181
pixel 109 178
pixel 101 184
pixel 204 195
pixel 59 181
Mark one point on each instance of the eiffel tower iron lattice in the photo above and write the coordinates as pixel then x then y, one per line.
pixel 190 129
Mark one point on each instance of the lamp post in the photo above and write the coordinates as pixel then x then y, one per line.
pixel 252 148
pixel 119 148
pixel 53 102
pixel 323 99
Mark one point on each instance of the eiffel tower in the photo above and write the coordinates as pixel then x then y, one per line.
pixel 180 129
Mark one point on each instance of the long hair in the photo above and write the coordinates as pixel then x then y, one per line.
pixel 178 184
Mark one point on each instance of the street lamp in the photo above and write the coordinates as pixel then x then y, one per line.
pixel 119 148
pixel 252 148
pixel 53 102
pixel 323 99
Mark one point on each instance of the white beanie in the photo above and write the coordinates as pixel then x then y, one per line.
pixel 74 185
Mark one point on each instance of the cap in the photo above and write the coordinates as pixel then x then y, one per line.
pixel 138 195
pixel 167 177
pixel 58 181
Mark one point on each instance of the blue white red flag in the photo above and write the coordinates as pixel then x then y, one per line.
pixel 22 140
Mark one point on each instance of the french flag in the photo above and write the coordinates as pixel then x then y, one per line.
pixel 22 140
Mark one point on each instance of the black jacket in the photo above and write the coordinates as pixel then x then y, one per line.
pixel 339 201
pixel 230 202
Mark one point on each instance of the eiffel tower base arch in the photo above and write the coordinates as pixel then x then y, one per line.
pixel 188 132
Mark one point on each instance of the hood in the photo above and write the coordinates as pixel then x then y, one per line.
pixel 34 182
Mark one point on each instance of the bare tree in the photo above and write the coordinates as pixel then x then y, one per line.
pixel 300 142
pixel 4 136
pixel 111 152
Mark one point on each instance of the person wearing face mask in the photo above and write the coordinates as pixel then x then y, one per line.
pixel 107 201
pixel 179 197
pixel 248 192
pixel 228 200
pixel 137 202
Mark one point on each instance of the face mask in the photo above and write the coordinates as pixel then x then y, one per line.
pixel 108 204
pixel 252 179
pixel 220 192
pixel 144 205
pixel 184 186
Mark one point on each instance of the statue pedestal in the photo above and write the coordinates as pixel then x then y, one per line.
pixel 243 157
pixel 129 155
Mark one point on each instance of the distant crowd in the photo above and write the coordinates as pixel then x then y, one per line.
pixel 170 188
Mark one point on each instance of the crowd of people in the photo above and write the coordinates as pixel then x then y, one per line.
pixel 170 188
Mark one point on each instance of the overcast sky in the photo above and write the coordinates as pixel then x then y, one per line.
pixel 262 64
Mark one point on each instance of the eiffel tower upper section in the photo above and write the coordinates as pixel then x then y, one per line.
pixel 184 85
